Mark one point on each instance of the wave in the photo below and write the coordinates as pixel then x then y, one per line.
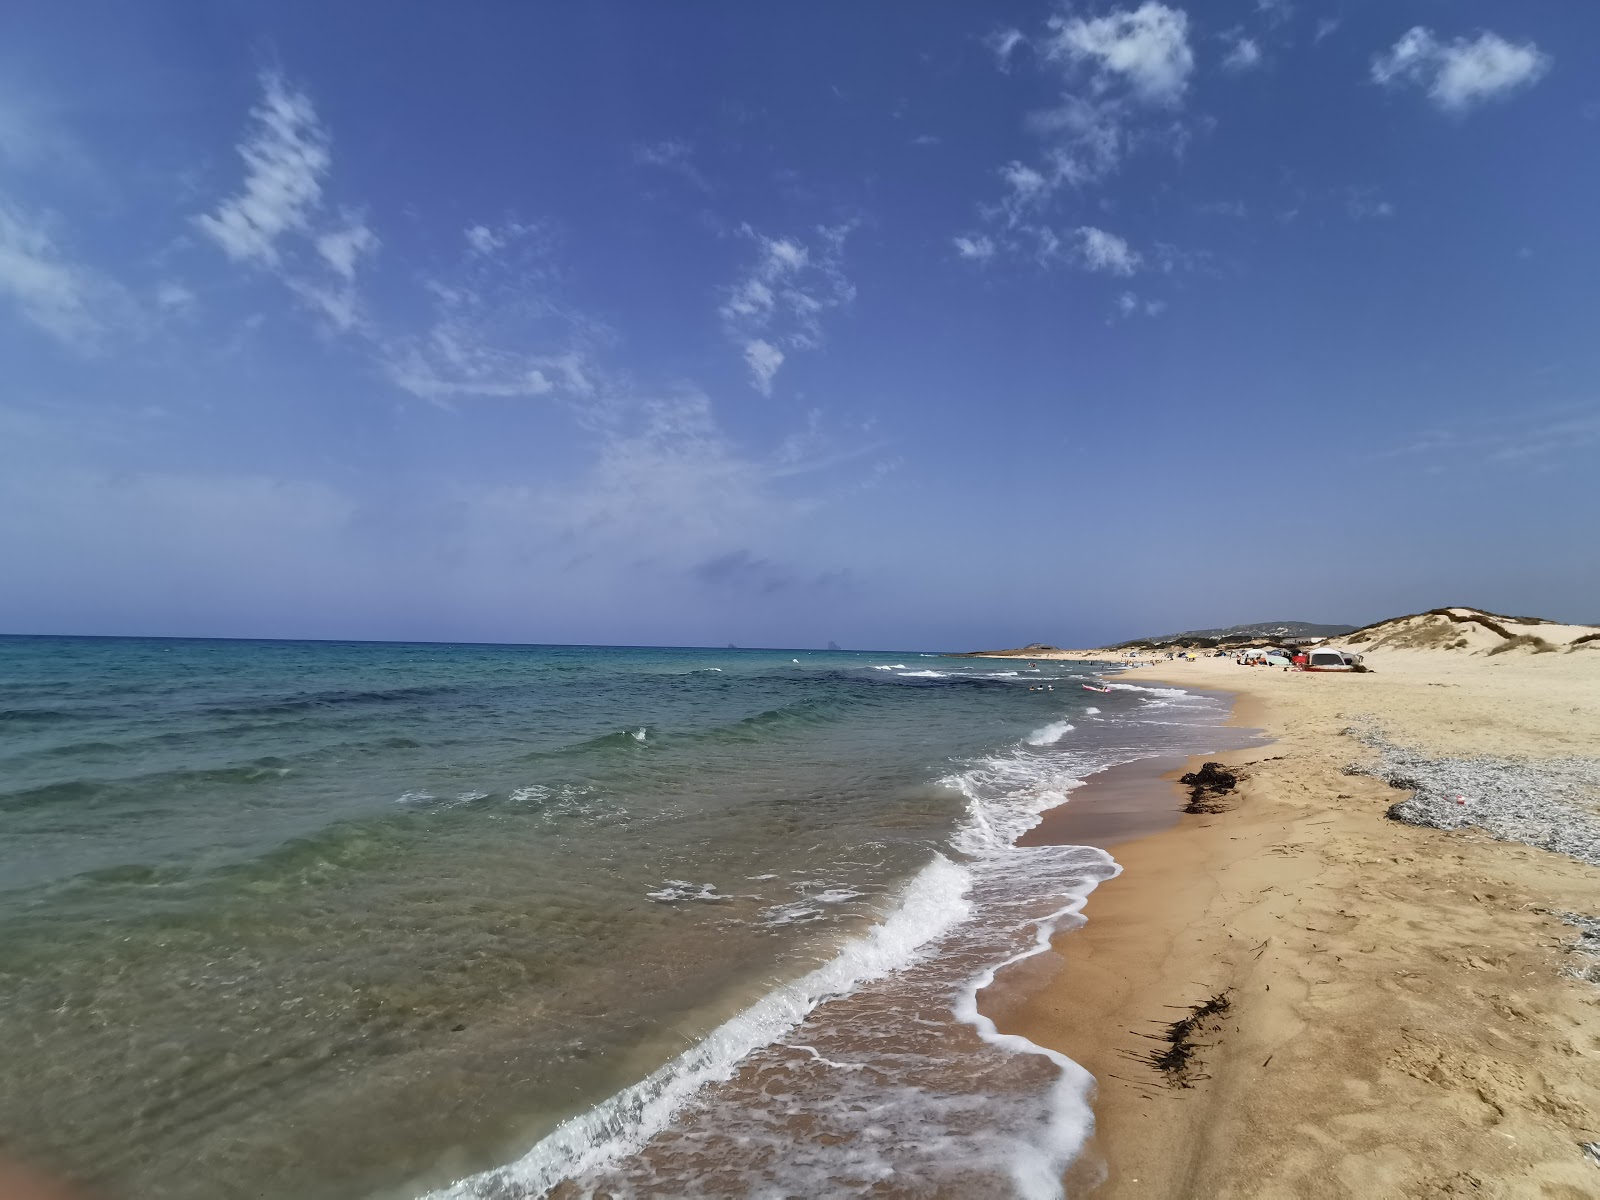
pixel 934 1101
pixel 262 770
pixel 335 698
pixel 933 902
pixel 1092 711
pixel 40 716
pixel 892 667
pixel 923 675
pixel 1156 691
pixel 1050 734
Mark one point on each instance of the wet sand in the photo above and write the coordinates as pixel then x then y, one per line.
pixel 1116 805
pixel 1398 1023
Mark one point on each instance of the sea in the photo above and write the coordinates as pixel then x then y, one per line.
pixel 479 922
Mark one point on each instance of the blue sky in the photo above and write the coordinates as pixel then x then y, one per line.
pixel 929 325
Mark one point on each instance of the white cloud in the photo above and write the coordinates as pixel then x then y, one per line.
pixel 1147 48
pixel 1325 27
pixel 276 221
pixel 778 305
pixel 978 247
pixel 1121 76
pixel 1461 73
pixel 1102 251
pixel 764 359
pixel 1244 54
pixel 286 155
pixel 71 302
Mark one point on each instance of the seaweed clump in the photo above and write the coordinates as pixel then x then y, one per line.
pixel 1207 787
pixel 1176 1058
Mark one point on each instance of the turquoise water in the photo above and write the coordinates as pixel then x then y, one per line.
pixel 351 919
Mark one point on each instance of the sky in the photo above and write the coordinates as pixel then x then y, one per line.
pixel 923 326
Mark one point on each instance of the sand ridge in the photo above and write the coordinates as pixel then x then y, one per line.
pixel 1398 1020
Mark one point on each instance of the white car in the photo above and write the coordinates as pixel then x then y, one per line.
pixel 1332 660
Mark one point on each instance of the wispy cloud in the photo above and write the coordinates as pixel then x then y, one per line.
pixel 763 359
pixel 1003 43
pixel 73 303
pixel 1534 438
pixel 675 156
pixel 1243 54
pixel 1365 204
pixel 1460 74
pixel 1123 79
pixel 1275 12
pixel 496 331
pixel 287 155
pixel 1130 305
pixel 777 306
pixel 277 221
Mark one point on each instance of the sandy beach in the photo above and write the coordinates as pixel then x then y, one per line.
pixel 1393 1008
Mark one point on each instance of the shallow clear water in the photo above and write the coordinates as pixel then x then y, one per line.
pixel 322 919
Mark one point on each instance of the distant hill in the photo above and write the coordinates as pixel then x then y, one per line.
pixel 1261 629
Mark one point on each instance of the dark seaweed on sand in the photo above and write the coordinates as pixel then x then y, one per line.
pixel 1207 786
pixel 1175 1058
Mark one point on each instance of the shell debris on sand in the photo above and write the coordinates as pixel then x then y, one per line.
pixel 1547 803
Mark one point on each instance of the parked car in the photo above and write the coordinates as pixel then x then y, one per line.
pixel 1332 660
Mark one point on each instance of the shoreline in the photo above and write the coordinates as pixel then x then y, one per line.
pixel 1397 1021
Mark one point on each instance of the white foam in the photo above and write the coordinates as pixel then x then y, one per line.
pixel 638 734
pixel 838 895
pixel 1037 1167
pixel 1002 674
pixel 1092 711
pixel 893 667
pixel 796 913
pixel 534 792
pixel 922 674
pixel 1156 691
pixel 1050 734
pixel 414 798
pixel 932 903
pixel 676 890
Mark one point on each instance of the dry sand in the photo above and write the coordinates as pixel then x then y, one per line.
pixel 1397 1022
